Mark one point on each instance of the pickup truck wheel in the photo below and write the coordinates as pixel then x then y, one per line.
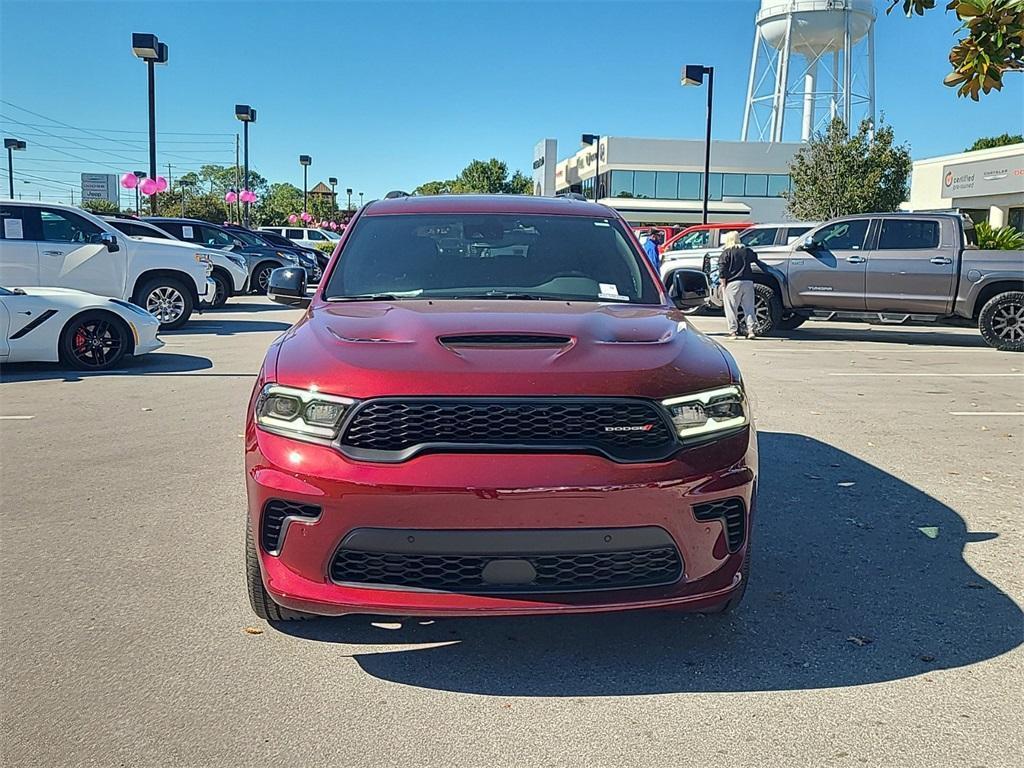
pixel 262 603
pixel 168 300
pixel 1001 321
pixel 791 321
pixel 767 310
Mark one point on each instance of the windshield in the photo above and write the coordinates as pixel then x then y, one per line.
pixel 491 257
pixel 248 238
pixel 332 235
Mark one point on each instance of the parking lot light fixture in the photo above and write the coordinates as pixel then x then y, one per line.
pixel 349 193
pixel 11 145
pixel 693 74
pixel 149 48
pixel 140 175
pixel 594 140
pixel 247 115
pixel 305 161
pixel 360 199
pixel 333 181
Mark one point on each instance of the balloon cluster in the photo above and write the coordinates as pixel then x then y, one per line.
pixel 145 185
pixel 245 196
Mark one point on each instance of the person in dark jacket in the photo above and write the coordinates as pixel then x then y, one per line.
pixel 737 281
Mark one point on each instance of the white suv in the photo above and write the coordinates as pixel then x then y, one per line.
pixel 307 236
pixel 61 246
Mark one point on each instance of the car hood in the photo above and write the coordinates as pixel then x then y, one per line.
pixel 376 349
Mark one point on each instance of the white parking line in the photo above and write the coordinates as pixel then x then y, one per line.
pixel 16 418
pixel 934 375
pixel 986 413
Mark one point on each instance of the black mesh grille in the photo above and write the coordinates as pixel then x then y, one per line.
pixel 272 523
pixel 495 339
pixel 624 430
pixel 573 572
pixel 732 513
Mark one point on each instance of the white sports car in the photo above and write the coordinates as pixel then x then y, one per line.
pixel 79 329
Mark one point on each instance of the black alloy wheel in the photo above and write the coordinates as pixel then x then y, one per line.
pixel 94 341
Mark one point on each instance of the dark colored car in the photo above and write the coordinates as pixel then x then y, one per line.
pixel 262 258
pixel 491 407
pixel 308 258
pixel 281 241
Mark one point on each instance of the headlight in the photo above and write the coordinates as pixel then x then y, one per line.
pixel 202 258
pixel 301 413
pixel 288 257
pixel 704 413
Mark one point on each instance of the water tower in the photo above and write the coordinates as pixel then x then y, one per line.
pixel 813 56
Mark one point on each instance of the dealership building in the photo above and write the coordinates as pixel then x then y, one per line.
pixel 987 183
pixel 660 181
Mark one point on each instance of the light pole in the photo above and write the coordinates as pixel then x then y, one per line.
pixel 247 115
pixel 182 183
pixel 305 161
pixel 333 181
pixel 349 193
pixel 140 175
pixel 693 74
pixel 360 199
pixel 10 145
pixel 148 48
pixel 594 139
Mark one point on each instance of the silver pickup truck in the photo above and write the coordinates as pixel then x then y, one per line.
pixel 891 268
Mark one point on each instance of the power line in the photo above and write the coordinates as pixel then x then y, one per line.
pixel 117 130
pixel 142 142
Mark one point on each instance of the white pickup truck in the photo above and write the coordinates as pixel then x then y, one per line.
pixel 47 244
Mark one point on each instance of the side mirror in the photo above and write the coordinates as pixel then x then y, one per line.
pixel 110 241
pixel 688 288
pixel 237 243
pixel 809 244
pixel 287 285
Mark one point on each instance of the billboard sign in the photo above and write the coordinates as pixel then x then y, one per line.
pixel 544 160
pixel 100 186
pixel 999 176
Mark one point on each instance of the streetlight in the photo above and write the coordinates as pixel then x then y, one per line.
pixel 360 199
pixel 594 139
pixel 305 161
pixel 333 181
pixel 693 74
pixel 10 145
pixel 349 193
pixel 148 48
pixel 140 175
pixel 247 115
pixel 182 183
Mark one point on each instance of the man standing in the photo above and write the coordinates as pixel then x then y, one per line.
pixel 652 247
pixel 737 280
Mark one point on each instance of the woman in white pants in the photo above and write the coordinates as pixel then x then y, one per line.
pixel 737 280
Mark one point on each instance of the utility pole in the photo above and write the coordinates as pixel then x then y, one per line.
pixel 238 189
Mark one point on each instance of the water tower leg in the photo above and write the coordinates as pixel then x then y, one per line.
pixel 810 83
pixel 847 74
pixel 782 83
pixel 833 101
pixel 750 84
pixel 871 76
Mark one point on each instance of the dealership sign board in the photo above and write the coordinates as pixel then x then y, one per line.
pixel 544 161
pixel 100 186
pixel 999 176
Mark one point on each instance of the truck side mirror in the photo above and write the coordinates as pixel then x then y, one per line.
pixel 287 285
pixel 110 241
pixel 809 244
pixel 688 288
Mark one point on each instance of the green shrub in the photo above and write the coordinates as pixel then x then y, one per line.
pixel 998 238
pixel 325 247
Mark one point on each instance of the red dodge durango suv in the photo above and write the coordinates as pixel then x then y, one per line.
pixel 492 407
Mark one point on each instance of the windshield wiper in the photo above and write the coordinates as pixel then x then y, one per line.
pixel 500 295
pixel 368 297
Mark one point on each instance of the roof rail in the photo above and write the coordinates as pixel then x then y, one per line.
pixel 572 196
pixel 396 193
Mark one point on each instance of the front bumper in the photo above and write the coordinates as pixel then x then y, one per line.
pixel 500 493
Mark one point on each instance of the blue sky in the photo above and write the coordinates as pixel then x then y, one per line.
pixel 387 95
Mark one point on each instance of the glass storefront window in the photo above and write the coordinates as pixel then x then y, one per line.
pixel 715 186
pixel 665 185
pixel 777 184
pixel 622 183
pixel 643 184
pixel 733 185
pixel 689 186
pixel 757 185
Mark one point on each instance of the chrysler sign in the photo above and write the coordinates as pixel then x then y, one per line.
pixel 1000 176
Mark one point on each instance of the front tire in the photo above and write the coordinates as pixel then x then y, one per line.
pixel 262 603
pixel 220 296
pixel 1001 321
pixel 168 300
pixel 767 310
pixel 94 341
pixel 261 278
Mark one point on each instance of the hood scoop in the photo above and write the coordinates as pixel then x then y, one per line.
pixel 531 340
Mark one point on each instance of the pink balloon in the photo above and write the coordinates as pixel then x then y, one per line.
pixel 306 217
pixel 292 218
pixel 247 196
pixel 148 186
pixel 129 180
pixel 230 197
pixel 161 183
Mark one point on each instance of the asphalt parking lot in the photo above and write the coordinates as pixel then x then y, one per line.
pixel 882 627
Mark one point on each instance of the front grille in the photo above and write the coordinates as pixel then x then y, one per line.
pixel 570 572
pixel 732 514
pixel 395 429
pixel 273 524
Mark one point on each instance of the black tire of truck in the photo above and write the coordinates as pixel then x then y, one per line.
pixel 767 310
pixel 1001 321
pixel 262 603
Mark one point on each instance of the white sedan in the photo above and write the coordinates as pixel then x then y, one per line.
pixel 79 329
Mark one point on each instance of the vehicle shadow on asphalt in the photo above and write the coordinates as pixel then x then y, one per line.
pixel 217 326
pixel 874 334
pixel 846 590
pixel 143 365
pixel 252 304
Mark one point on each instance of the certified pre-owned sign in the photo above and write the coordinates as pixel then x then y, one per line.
pixel 1002 176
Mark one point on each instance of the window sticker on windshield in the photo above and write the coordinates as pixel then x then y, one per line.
pixel 186 231
pixel 13 229
pixel 601 224
pixel 610 291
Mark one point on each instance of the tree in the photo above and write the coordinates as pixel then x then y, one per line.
pixel 480 177
pixel 836 175
pixel 994 43
pixel 101 207
pixel 276 204
pixel 988 142
pixel 434 188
